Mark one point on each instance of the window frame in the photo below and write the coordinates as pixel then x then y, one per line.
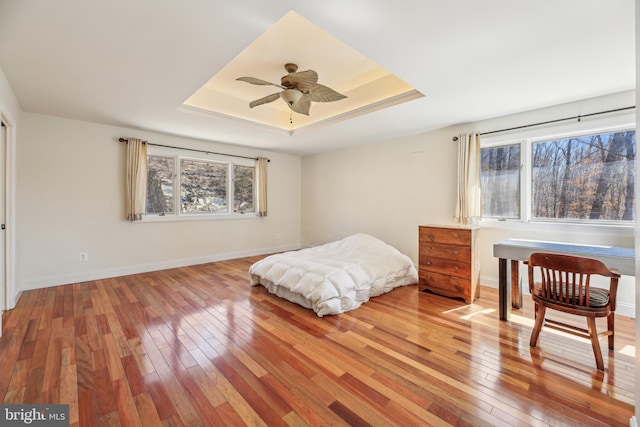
pixel 178 214
pixel 525 138
pixel 174 183
pixel 521 186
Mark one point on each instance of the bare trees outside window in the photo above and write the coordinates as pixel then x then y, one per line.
pixel 243 185
pixel 500 176
pixel 589 177
pixel 580 178
pixel 203 187
pixel 160 173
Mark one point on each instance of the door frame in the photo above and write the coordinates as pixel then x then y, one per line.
pixel 11 297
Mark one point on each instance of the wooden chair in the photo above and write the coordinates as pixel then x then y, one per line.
pixel 565 286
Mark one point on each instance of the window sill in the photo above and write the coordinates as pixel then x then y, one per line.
pixel 197 217
pixel 622 230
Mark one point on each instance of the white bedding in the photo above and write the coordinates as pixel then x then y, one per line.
pixel 335 277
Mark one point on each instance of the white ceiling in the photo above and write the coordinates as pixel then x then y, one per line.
pixel 366 85
pixel 133 63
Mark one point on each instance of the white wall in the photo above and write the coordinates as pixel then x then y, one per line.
pixel 386 190
pixel 70 200
pixel 389 189
pixel 8 101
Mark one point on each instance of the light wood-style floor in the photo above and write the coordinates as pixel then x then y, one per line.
pixel 198 346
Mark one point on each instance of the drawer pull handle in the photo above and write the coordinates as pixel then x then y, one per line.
pixel 430 236
pixel 456 235
pixel 457 268
pixel 456 252
pixel 428 262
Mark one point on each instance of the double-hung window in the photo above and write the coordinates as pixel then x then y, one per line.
pixel 199 187
pixel 585 176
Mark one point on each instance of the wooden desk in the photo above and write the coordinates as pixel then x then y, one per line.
pixel 515 250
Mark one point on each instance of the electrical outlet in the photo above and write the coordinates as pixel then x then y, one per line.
pixel 84 256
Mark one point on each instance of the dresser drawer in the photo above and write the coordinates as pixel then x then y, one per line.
pixel 440 250
pixel 445 266
pixel 444 284
pixel 451 236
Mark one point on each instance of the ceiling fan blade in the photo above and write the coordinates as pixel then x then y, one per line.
pixel 302 106
pixel 322 93
pixel 265 100
pixel 255 81
pixel 302 80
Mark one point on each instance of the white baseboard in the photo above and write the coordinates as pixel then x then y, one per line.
pixel 489 282
pixel 49 281
pixel 626 310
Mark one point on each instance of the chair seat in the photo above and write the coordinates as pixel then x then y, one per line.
pixel 598 297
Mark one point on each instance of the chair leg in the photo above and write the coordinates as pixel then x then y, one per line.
pixel 610 326
pixel 537 327
pixel 593 333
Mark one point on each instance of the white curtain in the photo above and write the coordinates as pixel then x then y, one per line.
pixel 136 185
pixel 261 171
pixel 469 202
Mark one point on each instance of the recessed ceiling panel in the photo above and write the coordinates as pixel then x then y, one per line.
pixel 294 39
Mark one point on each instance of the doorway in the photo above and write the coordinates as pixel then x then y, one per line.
pixel 3 240
pixel 8 296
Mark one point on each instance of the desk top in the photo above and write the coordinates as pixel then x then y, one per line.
pixel 618 258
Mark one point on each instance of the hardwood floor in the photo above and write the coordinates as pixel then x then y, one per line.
pixel 197 346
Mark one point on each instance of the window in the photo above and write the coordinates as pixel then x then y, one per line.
pixel 581 177
pixel 205 187
pixel 588 177
pixel 243 188
pixel 160 183
pixel 500 176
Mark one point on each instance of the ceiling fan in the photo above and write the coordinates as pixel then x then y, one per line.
pixel 299 90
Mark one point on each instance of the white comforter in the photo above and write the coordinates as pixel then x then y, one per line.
pixel 335 277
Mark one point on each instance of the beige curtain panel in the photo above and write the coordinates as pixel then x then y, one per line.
pixel 469 201
pixel 261 171
pixel 136 191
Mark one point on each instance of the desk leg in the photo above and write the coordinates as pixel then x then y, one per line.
pixel 504 291
pixel 516 285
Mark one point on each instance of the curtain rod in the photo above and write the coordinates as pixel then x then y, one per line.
pixel 579 117
pixel 125 140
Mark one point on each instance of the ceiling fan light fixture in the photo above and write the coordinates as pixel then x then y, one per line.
pixel 291 96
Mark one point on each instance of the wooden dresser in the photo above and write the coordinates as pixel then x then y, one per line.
pixel 448 262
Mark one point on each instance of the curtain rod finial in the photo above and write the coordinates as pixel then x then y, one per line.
pixel 454 139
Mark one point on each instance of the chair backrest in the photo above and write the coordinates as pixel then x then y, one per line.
pixel 566 279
